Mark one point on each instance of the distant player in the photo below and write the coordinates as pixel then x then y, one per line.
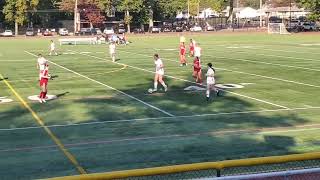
pixel 41 64
pixel 45 76
pixel 183 61
pixel 197 72
pixel 197 50
pixel 159 74
pixel 52 48
pixel 112 51
pixel 211 81
pixel 191 48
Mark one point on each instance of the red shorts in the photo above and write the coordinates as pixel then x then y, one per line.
pixel 196 70
pixel 182 52
pixel 43 82
pixel 191 49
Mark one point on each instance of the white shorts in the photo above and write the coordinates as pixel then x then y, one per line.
pixel 160 72
pixel 52 49
pixel 211 82
pixel 112 52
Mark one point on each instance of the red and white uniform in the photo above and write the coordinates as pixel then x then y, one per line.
pixel 196 65
pixel 44 77
pixel 191 47
pixel 52 46
pixel 42 62
pixel 210 77
pixel 182 49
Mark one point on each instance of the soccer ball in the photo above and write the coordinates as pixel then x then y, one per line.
pixel 150 90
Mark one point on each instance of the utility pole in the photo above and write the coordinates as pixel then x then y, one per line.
pixel 260 13
pixel 290 15
pixel 75 17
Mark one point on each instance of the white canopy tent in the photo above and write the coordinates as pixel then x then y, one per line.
pixel 246 13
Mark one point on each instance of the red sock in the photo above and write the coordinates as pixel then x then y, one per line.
pixel 41 94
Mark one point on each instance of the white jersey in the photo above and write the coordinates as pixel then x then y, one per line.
pixel 112 48
pixel 210 76
pixel 52 46
pixel 42 63
pixel 197 51
pixel 159 67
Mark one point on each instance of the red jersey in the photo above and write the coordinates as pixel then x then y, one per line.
pixel 196 65
pixel 191 46
pixel 44 73
pixel 182 49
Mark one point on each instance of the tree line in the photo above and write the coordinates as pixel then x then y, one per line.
pixel 138 11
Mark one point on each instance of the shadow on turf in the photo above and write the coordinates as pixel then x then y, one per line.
pixel 157 142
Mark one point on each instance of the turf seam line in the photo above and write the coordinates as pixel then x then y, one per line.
pixel 112 88
pixel 55 139
pixel 256 99
pixel 160 118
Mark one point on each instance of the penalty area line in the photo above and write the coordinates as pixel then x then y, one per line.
pixel 167 118
pixel 112 88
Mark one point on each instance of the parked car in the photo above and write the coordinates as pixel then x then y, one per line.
pixel 88 31
pixel 167 27
pixel 155 29
pixel 30 32
pixel 179 28
pixel 63 32
pixel 121 29
pixel 138 31
pixel 309 26
pixel 196 28
pixel 209 27
pixel 98 30
pixel 108 30
pixel 47 33
pixel 7 33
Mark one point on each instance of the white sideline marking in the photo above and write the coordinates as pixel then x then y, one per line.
pixel 187 80
pixel 251 74
pixel 262 62
pixel 168 118
pixel 98 82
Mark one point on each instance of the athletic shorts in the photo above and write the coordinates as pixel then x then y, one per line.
pixel 43 81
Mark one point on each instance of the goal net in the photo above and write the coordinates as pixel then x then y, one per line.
pixel 277 28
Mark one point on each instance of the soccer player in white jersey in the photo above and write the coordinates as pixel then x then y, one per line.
pixel 211 81
pixel 112 51
pixel 197 50
pixel 159 74
pixel 41 64
pixel 52 48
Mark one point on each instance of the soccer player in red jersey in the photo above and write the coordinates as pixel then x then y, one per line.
pixel 191 48
pixel 197 73
pixel 183 61
pixel 45 76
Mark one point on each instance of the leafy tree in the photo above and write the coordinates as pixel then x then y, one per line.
pixel 89 9
pixel 217 5
pixel 169 8
pixel 128 6
pixel 16 11
pixel 313 6
pixel 280 3
pixel 251 3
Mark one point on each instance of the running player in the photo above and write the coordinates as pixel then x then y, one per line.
pixel 112 51
pixel 45 76
pixel 183 61
pixel 197 73
pixel 52 48
pixel 191 48
pixel 159 74
pixel 211 81
pixel 41 64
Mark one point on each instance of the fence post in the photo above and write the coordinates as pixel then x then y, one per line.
pixel 218 172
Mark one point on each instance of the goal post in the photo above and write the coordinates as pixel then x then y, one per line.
pixel 277 28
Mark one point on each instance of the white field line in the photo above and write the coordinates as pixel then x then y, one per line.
pixel 256 131
pixel 262 62
pixel 286 57
pixel 182 118
pixel 16 60
pixel 112 88
pixel 172 77
pixel 251 46
pixel 251 74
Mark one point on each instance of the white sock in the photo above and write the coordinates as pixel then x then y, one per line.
pixel 208 93
pixel 164 85
pixel 155 85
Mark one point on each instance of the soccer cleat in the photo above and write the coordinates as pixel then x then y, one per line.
pixel 207 98
pixel 165 88
pixel 43 100
pixel 219 93
pixel 154 90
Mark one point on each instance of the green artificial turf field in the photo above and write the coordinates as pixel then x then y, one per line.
pixel 107 121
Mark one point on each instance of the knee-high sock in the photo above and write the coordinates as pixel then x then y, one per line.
pixel 208 93
pixel 155 85
pixel 163 84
